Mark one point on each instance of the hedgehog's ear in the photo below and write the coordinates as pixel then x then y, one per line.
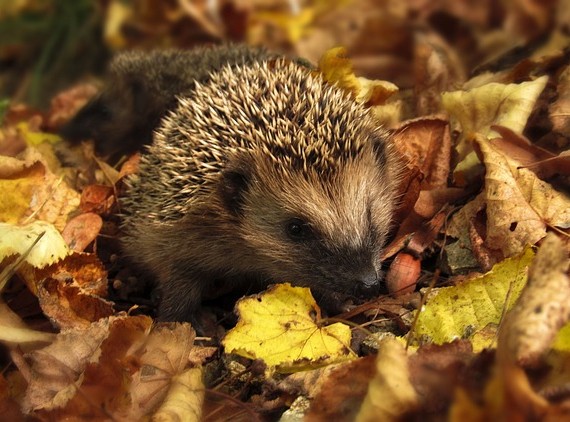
pixel 233 186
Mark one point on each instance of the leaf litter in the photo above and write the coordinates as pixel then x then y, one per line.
pixel 486 159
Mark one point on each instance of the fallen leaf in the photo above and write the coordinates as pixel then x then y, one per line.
pixel 519 206
pixel 542 308
pixel 97 199
pixel 15 240
pixel 426 143
pixel 478 109
pixel 33 191
pixel 82 230
pixel 184 399
pixel 336 68
pixel 390 395
pixel 283 328
pixel 120 368
pixel 541 161
pixel 13 331
pixel 460 311
pixel 336 391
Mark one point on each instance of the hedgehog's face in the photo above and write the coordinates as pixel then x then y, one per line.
pixel 322 231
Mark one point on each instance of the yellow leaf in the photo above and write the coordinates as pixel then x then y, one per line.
pixel 184 399
pixel 118 12
pixel 36 138
pixel 29 189
pixel 478 109
pixel 390 393
pixel 562 341
pixel 282 327
pixel 16 240
pixel 337 68
pixel 542 308
pixel 459 311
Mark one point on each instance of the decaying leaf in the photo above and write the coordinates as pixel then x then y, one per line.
pixel 184 399
pixel 15 240
pixel 82 230
pixel 283 327
pixel 477 110
pixel 542 309
pixel 460 311
pixel 118 367
pixel 426 143
pixel 390 393
pixel 515 208
pixel 31 190
pixel 525 336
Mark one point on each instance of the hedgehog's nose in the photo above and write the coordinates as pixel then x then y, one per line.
pixel 369 279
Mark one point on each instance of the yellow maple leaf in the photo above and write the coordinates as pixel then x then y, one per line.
pixel 457 312
pixel 282 326
pixel 480 108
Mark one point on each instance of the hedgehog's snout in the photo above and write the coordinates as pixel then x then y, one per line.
pixel 367 283
pixel 369 279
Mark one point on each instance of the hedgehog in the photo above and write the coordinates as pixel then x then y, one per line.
pixel 265 174
pixel 141 88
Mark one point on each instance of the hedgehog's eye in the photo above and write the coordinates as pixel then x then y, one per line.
pixel 298 229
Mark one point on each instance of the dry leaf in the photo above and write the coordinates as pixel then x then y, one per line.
pixel 184 399
pixel 426 143
pixel 82 230
pixel 336 390
pixel 541 310
pixel 119 368
pixel 477 110
pixel 16 240
pixel 519 205
pixel 13 331
pixel 459 311
pixel 337 68
pixel 32 191
pixel 283 328
pixel 559 111
pixel 390 393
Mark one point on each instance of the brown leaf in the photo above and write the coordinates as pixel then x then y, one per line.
pixel 119 368
pixel 426 143
pixel 71 292
pixel 67 103
pixel 437 69
pixel 541 161
pixel 97 199
pixel 82 230
pixel 559 111
pixel 518 204
pixel 340 390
